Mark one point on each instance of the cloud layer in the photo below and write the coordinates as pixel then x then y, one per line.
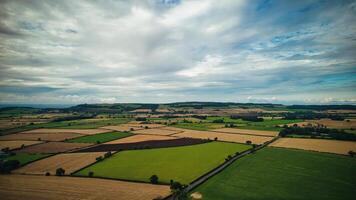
pixel 169 50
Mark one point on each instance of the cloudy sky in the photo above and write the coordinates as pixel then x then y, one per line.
pixel 71 52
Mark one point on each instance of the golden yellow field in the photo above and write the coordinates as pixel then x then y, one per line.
pixel 13 187
pixel 247 132
pixel 40 136
pixel 80 131
pixel 70 162
pixel 53 147
pixel 229 137
pixel 156 131
pixel 140 138
pixel 16 144
pixel 322 145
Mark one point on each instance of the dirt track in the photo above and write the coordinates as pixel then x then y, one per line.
pixel 52 147
pixel 322 145
pixel 70 162
pixel 14 187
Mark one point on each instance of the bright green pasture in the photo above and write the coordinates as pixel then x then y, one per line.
pixel 183 164
pixel 276 173
pixel 100 138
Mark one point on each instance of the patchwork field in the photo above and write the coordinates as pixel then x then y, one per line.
pixel 140 138
pixel 70 162
pixel 80 131
pixel 156 131
pixel 322 145
pixel 199 126
pixel 52 147
pixel 25 158
pixel 123 128
pixel 40 136
pixel 276 173
pixel 152 144
pixel 228 137
pixel 247 132
pixel 167 163
pixel 52 188
pixel 100 138
pixel 16 144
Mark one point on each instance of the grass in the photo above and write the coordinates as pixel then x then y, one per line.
pixel 100 138
pixel 25 158
pixel 183 164
pixel 199 126
pixel 276 173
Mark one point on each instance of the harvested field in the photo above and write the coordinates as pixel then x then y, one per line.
pixel 152 144
pixel 70 162
pixel 52 147
pixel 52 188
pixel 123 127
pixel 149 125
pixel 16 144
pixel 247 132
pixel 156 131
pixel 80 131
pixel 40 136
pixel 351 123
pixel 321 145
pixel 228 137
pixel 140 138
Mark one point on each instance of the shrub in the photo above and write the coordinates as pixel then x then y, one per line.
pixel 99 158
pixel 154 179
pixel 91 174
pixel 107 154
pixel 7 166
pixel 47 174
pixel 60 172
pixel 248 142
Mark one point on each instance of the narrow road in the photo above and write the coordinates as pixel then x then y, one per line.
pixel 215 171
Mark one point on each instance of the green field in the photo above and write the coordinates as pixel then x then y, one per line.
pixel 25 158
pixel 101 138
pixel 276 173
pixel 182 164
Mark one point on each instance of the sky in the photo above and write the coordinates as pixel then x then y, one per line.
pixel 158 51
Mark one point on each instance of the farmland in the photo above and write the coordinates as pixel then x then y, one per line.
pixel 25 158
pixel 52 147
pixel 17 144
pixel 70 162
pixel 140 138
pixel 156 131
pixel 100 138
pixel 322 145
pixel 275 173
pixel 167 163
pixel 53 188
pixel 40 136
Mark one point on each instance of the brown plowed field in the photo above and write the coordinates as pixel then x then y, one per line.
pixel 14 187
pixel 228 137
pixel 124 127
pixel 43 136
pixel 144 145
pixel 52 147
pixel 247 132
pixel 80 131
pixel 156 131
pixel 140 138
pixel 16 144
pixel 322 145
pixel 70 162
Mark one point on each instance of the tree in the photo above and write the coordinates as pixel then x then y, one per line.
pixel 248 142
pixel 107 154
pixel 7 166
pixel 154 179
pixel 60 172
pixel 352 153
pixel 178 191
pixel 91 174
